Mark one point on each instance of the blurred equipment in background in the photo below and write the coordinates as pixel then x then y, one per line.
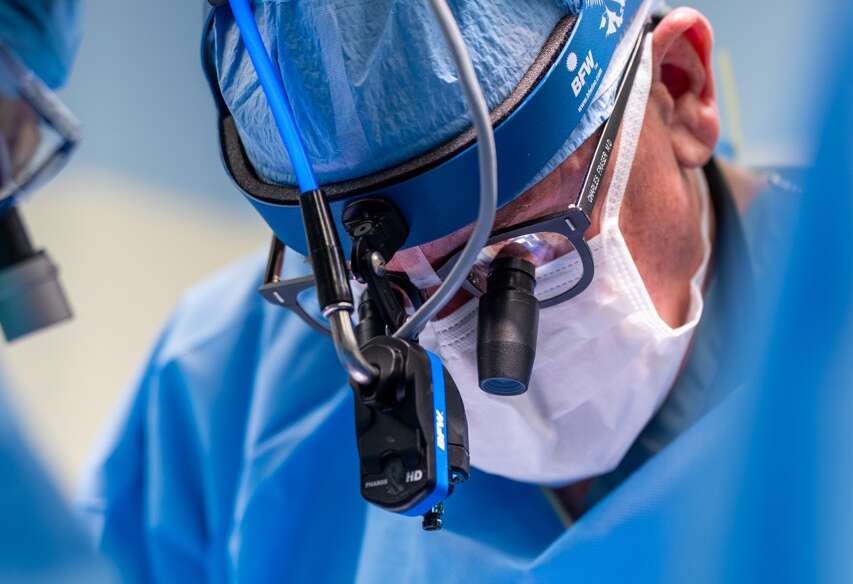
pixel 37 137
pixel 40 539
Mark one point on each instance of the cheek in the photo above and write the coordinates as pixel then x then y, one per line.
pixel 660 220
pixel 666 244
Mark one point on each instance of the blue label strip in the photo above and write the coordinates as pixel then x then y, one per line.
pixel 439 420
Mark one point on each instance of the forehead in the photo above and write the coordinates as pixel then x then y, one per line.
pixel 554 192
pixel 550 195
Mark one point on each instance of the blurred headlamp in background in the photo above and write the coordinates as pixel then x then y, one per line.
pixel 37 137
pixel 37 132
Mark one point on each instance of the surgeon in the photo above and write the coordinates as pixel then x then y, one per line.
pixel 40 538
pixel 235 458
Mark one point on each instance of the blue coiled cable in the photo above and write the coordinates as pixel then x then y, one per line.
pixel 273 86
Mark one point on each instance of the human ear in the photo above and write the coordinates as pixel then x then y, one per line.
pixel 683 85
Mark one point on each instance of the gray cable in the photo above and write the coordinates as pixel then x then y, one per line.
pixel 479 112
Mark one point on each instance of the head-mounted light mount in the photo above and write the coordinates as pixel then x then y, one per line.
pixel 437 192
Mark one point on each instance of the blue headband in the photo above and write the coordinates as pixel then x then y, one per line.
pixel 438 192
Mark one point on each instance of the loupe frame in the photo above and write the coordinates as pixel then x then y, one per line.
pixel 572 224
pixel 285 293
pixel 50 109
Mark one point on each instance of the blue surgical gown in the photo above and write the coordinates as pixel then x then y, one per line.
pixel 40 538
pixel 235 460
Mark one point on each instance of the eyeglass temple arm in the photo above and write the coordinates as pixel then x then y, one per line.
pixel 604 150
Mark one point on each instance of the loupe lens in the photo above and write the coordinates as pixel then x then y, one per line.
pixel 536 248
pixel 31 296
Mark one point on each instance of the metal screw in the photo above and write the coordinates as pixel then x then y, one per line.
pixel 377 263
pixel 457 477
pixel 476 280
pixel 434 518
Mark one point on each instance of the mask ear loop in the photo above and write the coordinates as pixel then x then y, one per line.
pixel 625 269
pixel 636 102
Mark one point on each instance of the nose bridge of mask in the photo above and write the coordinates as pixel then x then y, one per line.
pixel 557 276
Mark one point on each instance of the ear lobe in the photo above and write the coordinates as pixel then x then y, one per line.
pixel 684 85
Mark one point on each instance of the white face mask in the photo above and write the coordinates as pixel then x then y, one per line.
pixel 605 360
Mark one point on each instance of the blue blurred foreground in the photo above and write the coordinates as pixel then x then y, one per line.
pixel 760 490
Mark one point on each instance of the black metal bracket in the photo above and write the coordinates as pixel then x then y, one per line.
pixel 378 231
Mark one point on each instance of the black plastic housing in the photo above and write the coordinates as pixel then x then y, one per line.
pixel 396 430
pixel 507 326
pixel 31 295
pixel 324 249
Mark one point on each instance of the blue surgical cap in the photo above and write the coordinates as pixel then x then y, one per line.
pixel 44 34
pixel 372 82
